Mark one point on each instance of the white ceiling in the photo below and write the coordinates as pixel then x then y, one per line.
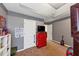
pixel 40 8
pixel 47 11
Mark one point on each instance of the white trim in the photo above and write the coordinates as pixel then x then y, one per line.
pixel 48 41
pixel 67 45
pixel 20 50
pixel 59 43
pixel 25 48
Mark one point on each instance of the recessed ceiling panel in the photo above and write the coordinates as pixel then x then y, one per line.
pixel 16 7
pixel 57 5
pixel 45 11
pixel 40 8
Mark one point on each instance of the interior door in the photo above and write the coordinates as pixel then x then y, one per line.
pixel 75 28
pixel 29 33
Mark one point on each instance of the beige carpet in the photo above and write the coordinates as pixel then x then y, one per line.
pixel 52 49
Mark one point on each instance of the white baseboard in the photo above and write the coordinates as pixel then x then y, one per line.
pixel 48 41
pixel 25 48
pixel 20 50
pixel 59 43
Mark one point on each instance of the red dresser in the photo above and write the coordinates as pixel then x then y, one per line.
pixel 41 39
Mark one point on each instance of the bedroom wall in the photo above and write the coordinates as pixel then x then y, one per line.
pixel 39 23
pixel 3 12
pixel 12 23
pixel 15 20
pixel 60 28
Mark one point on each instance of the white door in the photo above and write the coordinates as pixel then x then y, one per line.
pixel 29 33
pixel 49 29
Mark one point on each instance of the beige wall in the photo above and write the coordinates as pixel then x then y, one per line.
pixel 12 23
pixel 60 28
pixel 41 23
pixel 2 12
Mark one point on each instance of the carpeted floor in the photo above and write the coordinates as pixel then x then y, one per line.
pixel 52 49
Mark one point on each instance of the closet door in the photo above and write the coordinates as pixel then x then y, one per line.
pixel 29 33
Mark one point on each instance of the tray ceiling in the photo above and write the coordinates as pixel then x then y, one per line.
pixel 45 11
